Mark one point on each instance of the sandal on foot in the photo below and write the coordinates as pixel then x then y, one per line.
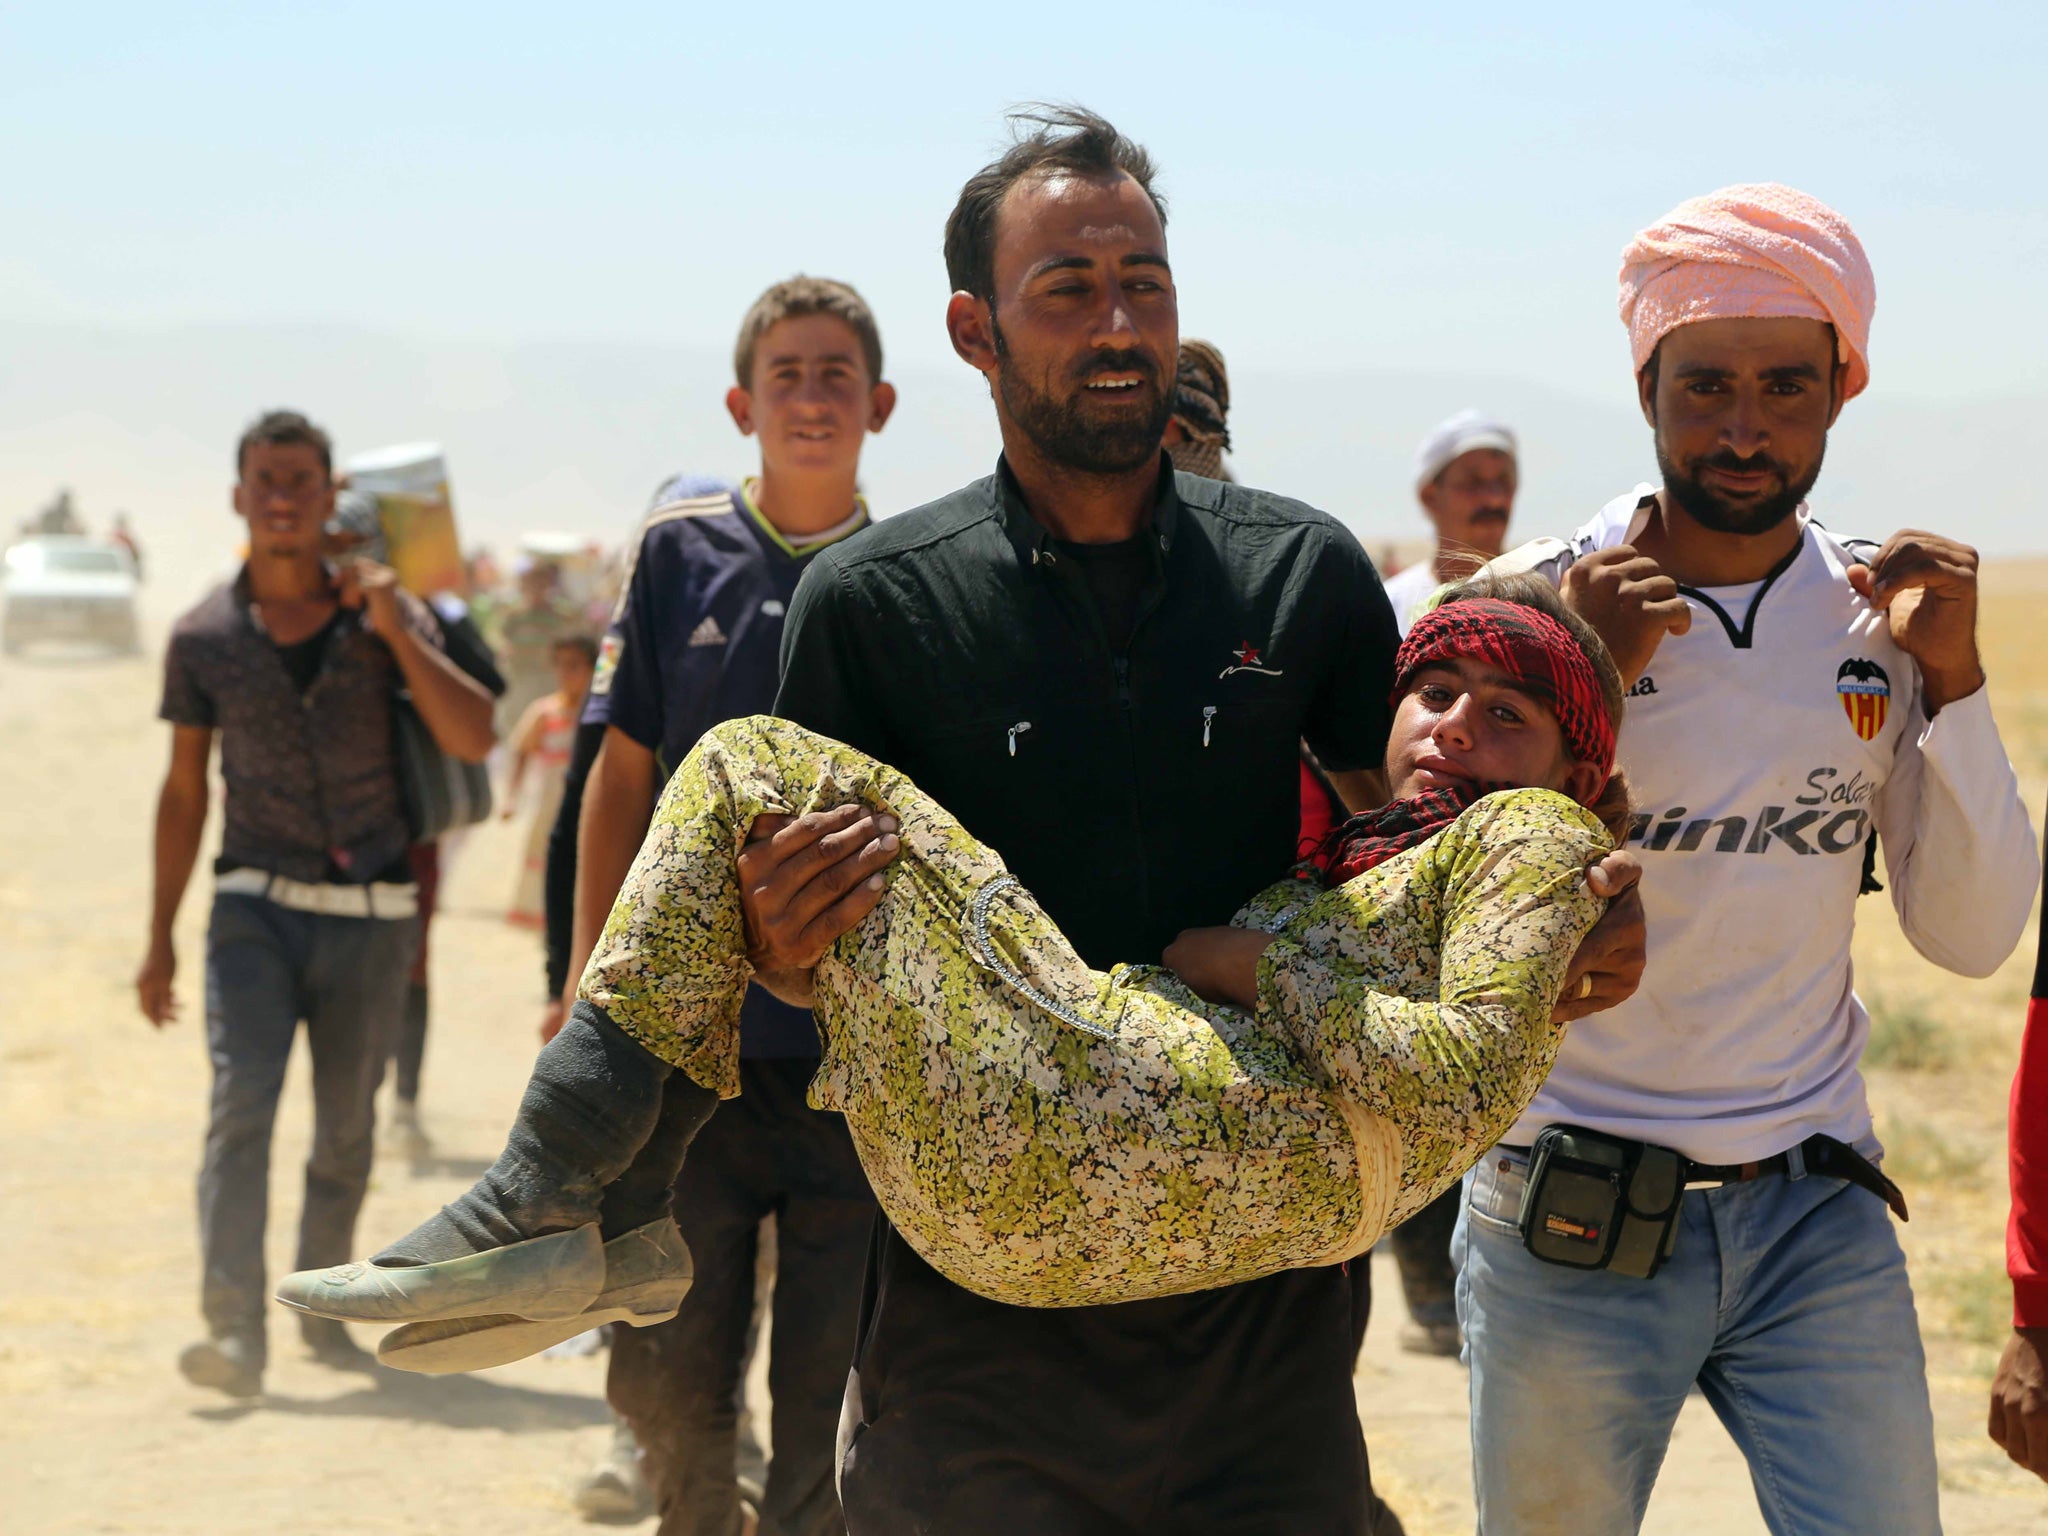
pixel 647 1274
pixel 550 1277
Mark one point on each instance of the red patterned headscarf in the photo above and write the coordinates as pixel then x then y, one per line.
pixel 1529 646
pixel 1532 648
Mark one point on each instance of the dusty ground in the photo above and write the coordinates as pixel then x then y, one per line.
pixel 100 1122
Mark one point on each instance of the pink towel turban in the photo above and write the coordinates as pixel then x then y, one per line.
pixel 1749 252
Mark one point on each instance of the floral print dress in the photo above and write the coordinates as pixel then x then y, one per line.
pixel 1049 1135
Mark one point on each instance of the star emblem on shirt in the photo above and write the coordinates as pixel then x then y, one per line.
pixel 1249 659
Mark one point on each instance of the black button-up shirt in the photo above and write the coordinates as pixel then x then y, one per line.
pixel 1136 791
pixel 312 781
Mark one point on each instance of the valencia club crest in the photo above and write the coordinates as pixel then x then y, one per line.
pixel 1865 693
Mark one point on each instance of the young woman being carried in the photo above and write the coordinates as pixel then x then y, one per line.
pixel 1277 1095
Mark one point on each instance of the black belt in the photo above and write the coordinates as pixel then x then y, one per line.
pixel 1821 1154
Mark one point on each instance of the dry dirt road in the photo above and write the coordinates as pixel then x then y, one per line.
pixel 100 1122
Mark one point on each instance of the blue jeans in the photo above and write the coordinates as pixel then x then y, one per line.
pixel 268 967
pixel 1786 1301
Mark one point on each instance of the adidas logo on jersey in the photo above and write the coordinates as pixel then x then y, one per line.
pixel 707 633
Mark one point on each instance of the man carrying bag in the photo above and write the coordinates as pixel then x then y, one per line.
pixel 295 665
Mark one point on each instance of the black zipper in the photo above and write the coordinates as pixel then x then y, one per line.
pixel 1128 702
pixel 1120 675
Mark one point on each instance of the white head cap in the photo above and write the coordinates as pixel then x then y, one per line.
pixel 1461 434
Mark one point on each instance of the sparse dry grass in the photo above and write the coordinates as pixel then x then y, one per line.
pixel 1905 1033
pixel 1976 1301
pixel 1920 1155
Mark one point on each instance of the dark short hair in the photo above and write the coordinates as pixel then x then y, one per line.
pixel 801 295
pixel 582 645
pixel 277 427
pixel 1061 139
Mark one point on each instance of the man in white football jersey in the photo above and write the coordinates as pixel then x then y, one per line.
pixel 1693 1197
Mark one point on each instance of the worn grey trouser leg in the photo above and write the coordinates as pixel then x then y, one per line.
pixel 252 1011
pixel 266 968
pixel 355 982
pixel 410 1047
pixel 601 1110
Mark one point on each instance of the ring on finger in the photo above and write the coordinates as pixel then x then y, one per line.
pixel 1585 987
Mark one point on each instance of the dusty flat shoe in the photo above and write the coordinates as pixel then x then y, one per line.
pixel 548 1277
pixel 615 1491
pixel 647 1274
pixel 233 1365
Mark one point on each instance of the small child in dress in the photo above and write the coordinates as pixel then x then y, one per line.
pixel 543 738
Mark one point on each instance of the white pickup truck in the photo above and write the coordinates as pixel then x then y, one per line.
pixel 66 587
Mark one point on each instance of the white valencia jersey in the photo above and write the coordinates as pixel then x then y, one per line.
pixel 1763 749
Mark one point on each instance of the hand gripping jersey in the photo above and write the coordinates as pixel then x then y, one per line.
pixel 1763 749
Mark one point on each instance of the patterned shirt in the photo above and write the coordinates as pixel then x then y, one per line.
pixel 312 782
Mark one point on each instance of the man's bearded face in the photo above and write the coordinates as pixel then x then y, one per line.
pixel 1741 409
pixel 1103 413
pixel 1691 484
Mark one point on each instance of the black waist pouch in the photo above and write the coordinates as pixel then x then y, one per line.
pixel 1596 1201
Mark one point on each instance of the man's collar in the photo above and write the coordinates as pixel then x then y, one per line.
pixel 744 496
pixel 244 593
pixel 1030 537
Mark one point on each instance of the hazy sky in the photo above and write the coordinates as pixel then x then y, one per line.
pixel 1350 186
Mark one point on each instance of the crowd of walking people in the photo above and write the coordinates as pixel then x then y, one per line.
pixel 1091 910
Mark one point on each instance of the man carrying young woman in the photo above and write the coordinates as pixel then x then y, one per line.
pixel 1278 1094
